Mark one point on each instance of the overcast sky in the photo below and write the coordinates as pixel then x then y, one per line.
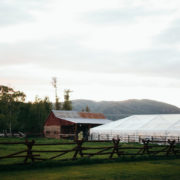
pixel 100 49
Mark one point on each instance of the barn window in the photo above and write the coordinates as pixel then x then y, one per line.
pixel 47 132
pixel 55 132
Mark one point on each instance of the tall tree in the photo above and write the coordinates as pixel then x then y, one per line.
pixel 16 115
pixel 38 113
pixel 9 103
pixel 33 115
pixel 57 103
pixel 67 105
pixel 87 109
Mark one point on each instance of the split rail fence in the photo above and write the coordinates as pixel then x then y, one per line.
pixel 115 149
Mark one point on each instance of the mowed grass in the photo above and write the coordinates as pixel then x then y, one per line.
pixel 138 168
pixel 154 169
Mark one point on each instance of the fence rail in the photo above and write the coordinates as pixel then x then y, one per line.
pixel 114 148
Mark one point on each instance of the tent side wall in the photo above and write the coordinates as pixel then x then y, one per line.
pixel 137 127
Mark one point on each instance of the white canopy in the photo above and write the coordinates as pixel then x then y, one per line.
pixel 141 125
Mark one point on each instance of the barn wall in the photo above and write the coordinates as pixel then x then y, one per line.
pixel 52 131
pixel 52 126
pixel 52 120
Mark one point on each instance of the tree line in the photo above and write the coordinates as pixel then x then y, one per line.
pixel 29 117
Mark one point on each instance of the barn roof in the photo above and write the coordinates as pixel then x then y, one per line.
pixel 81 117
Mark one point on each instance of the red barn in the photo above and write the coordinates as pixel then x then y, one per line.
pixel 69 123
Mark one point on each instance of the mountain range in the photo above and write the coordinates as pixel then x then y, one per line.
pixel 120 109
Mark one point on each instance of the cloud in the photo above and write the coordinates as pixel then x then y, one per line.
pixel 68 54
pixel 122 15
pixel 155 62
pixel 19 11
pixel 170 35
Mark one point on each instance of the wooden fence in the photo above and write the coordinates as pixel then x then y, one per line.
pixel 114 149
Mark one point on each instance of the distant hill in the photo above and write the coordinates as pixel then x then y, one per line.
pixel 120 109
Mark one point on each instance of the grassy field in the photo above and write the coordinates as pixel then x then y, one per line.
pixel 156 169
pixel 97 168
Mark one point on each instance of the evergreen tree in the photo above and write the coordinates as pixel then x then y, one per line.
pixel 32 116
pixel 16 115
pixel 67 105
pixel 10 101
pixel 87 109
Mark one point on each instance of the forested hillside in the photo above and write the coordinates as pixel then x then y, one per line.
pixel 119 109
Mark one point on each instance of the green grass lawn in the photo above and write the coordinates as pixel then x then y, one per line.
pixel 96 168
pixel 154 169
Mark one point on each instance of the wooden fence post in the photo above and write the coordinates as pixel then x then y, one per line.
pixel 29 151
pixel 171 147
pixel 145 148
pixel 115 148
pixel 78 149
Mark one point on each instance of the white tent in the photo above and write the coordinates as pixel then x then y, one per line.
pixel 161 125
